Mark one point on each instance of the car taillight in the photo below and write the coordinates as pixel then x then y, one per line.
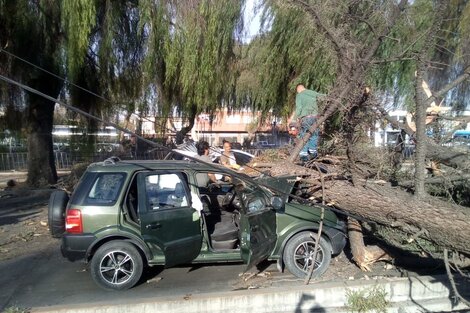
pixel 73 221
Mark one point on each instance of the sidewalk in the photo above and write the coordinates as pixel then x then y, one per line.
pixel 413 294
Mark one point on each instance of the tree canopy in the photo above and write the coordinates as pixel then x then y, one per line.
pixel 185 57
pixel 292 49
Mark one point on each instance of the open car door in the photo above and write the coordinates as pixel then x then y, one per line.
pixel 167 218
pixel 257 227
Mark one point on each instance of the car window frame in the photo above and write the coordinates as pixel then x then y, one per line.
pixel 142 190
pixel 86 183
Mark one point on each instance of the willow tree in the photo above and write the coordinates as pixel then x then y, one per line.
pixel 32 30
pixel 104 55
pixel 322 44
pixel 279 57
pixel 190 55
pixel 92 43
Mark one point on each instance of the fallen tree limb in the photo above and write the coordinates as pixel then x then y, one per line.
pixel 362 255
pixel 452 281
pixel 437 180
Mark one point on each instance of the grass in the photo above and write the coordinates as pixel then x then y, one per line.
pixel 367 300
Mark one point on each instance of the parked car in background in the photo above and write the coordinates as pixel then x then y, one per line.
pixel 125 215
pixel 108 147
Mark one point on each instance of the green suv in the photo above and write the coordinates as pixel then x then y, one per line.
pixel 125 215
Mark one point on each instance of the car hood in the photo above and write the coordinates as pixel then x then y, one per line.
pixel 312 213
pixel 282 185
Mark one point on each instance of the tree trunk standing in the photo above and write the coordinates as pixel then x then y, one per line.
pixel 420 152
pixel 41 161
pixel 186 129
pixel 32 32
pixel 420 102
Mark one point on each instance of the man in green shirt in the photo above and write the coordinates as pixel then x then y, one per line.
pixel 306 111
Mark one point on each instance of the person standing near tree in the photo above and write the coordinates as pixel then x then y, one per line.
pixel 306 113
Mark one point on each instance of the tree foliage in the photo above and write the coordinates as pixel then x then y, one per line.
pixel 294 50
pixel 190 55
pixel 79 17
pixel 290 51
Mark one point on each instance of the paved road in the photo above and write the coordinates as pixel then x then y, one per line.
pixel 47 279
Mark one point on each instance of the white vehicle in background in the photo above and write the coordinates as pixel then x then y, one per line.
pixel 190 150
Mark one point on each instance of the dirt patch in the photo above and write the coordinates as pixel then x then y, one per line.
pixel 23 222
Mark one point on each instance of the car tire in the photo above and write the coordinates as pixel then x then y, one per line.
pixel 298 254
pixel 56 212
pixel 116 265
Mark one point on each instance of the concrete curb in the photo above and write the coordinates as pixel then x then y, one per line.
pixel 413 294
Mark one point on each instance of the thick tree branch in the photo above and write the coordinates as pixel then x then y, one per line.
pixel 451 279
pixel 438 180
pixel 464 76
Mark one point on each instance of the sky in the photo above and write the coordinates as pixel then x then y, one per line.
pixel 252 20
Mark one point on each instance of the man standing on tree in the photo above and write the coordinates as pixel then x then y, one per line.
pixel 306 111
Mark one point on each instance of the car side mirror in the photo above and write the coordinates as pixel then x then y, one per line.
pixel 278 204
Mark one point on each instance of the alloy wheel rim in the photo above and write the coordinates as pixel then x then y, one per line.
pixel 116 267
pixel 303 255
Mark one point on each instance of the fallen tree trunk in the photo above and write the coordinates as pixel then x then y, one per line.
pixel 445 224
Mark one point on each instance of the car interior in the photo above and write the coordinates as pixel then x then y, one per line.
pixel 221 209
pixel 220 200
pixel 221 212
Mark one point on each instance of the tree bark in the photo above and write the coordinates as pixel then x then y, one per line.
pixel 444 224
pixel 420 152
pixel 40 115
pixel 362 255
pixel 186 129
pixel 440 222
pixel 41 162
pixel 421 104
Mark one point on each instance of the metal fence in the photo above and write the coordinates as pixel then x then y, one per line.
pixel 65 160
pixel 13 161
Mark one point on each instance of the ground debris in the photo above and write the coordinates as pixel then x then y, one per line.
pixel 154 280
pixel 24 225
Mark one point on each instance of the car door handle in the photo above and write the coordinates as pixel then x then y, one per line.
pixel 153 226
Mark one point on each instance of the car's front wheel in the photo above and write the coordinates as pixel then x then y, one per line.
pixel 298 254
pixel 116 265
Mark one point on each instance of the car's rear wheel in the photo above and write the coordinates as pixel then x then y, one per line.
pixel 56 212
pixel 298 254
pixel 116 265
